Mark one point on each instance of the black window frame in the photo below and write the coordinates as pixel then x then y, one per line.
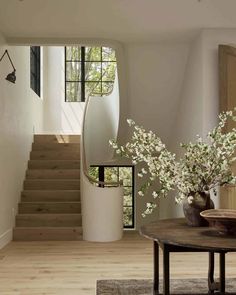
pixel 35 69
pixel 101 177
pixel 83 81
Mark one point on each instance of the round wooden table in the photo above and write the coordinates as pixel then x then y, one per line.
pixel 174 235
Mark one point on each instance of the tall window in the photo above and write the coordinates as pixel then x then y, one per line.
pixel 115 174
pixel 89 71
pixel 35 69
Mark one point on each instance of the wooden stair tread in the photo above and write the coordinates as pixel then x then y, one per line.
pixel 51 215
pixel 54 164
pixel 50 195
pixel 49 207
pixel 56 202
pixel 61 138
pixel 54 155
pixel 52 227
pixel 52 173
pixel 51 184
pixel 53 220
pixel 72 233
pixel 55 146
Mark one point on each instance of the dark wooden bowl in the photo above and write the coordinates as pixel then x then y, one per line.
pixel 224 220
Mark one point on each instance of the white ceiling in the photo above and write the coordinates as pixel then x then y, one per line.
pixel 122 20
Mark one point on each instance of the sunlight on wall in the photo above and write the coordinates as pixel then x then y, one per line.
pixel 59 116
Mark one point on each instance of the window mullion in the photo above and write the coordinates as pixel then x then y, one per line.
pixel 101 174
pixel 101 73
pixel 82 73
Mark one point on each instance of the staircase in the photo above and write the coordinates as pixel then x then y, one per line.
pixel 50 206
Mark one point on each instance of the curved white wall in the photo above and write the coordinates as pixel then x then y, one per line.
pixel 101 124
pixel 102 210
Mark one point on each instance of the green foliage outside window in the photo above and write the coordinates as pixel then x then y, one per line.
pixel 90 71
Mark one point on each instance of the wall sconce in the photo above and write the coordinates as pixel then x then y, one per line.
pixel 12 76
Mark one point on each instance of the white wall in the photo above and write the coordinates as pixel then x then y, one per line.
pixel 155 74
pixel 59 116
pixel 20 114
pixel 101 124
pixel 199 99
pixel 189 115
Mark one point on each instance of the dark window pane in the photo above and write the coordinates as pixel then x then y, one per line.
pixel 32 63
pixel 73 53
pixel 92 71
pixel 108 71
pixel 108 54
pixel 35 69
pixel 92 89
pixel 126 175
pixel 111 174
pixel 107 88
pixel 92 53
pixel 73 91
pixel 73 71
pixel 32 81
pixel 127 216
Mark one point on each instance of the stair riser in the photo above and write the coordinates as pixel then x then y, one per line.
pixel 54 155
pixel 53 174
pixel 73 147
pixel 38 220
pixel 51 185
pixel 47 234
pixel 56 138
pixel 54 164
pixel 49 208
pixel 50 196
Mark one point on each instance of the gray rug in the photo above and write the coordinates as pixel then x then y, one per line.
pixel 144 287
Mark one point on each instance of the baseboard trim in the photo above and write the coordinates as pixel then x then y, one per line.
pixel 6 238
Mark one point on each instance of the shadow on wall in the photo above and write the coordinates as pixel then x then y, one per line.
pixel 101 124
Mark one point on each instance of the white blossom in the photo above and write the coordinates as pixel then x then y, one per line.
pixel 205 165
pixel 130 122
pixel 190 199
pixel 144 171
pixel 140 193
pixel 154 194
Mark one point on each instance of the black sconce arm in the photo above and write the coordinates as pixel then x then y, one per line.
pixel 12 76
pixel 6 53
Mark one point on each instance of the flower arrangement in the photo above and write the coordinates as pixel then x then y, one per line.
pixel 205 165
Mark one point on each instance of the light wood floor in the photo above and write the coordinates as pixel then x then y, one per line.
pixel 69 268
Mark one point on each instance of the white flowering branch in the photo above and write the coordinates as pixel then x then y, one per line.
pixel 204 166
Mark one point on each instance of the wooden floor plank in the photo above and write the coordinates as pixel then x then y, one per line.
pixel 69 268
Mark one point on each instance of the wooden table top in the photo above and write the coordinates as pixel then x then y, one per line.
pixel 177 232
